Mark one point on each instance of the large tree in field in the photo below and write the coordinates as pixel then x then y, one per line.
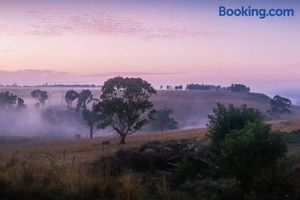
pixel 40 95
pixel 125 104
pixel 279 106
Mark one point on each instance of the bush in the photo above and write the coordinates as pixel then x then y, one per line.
pixel 225 119
pixel 252 153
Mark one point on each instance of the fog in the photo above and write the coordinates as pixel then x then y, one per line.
pixel 43 122
pixel 53 119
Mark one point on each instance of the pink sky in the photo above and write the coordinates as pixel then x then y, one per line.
pixel 166 43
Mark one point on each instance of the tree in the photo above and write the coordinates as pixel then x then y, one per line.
pixel 251 153
pixel 40 95
pixel 279 106
pixel 239 88
pixel 225 119
pixel 162 120
pixel 125 104
pixel 179 87
pixel 10 101
pixel 84 98
pixel 194 86
pixel 70 96
pixel 94 119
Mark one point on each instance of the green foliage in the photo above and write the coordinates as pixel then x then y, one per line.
pixel 70 96
pixel 292 137
pixel 10 101
pixel 224 119
pixel 186 168
pixel 251 152
pixel 40 95
pixel 279 106
pixel 162 120
pixel 125 104
pixel 84 98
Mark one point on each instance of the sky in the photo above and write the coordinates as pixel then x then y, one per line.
pixel 164 42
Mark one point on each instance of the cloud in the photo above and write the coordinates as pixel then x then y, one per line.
pixel 132 74
pixel 50 24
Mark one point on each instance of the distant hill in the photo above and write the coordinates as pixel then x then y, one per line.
pixel 192 107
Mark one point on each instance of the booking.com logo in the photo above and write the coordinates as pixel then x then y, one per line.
pixel 262 13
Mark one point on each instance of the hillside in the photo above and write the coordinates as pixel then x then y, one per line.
pixel 192 107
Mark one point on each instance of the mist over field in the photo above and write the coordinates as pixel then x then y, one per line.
pixel 190 110
pixel 53 119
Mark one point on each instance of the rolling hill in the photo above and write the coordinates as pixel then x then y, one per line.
pixel 192 107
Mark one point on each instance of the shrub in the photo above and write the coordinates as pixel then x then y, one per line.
pixel 252 153
pixel 224 119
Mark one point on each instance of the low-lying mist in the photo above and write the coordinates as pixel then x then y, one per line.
pixel 42 122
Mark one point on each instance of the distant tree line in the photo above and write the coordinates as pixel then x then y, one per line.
pixel 232 88
pixel 203 87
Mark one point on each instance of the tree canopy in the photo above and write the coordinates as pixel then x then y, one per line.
pixel 163 121
pixel 94 119
pixel 10 101
pixel 84 97
pixel 125 104
pixel 279 106
pixel 239 88
pixel 70 96
pixel 40 95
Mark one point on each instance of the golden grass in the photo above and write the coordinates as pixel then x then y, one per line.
pixel 46 166
pixel 72 151
pixel 286 125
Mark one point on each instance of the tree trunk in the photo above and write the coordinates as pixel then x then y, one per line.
pixel 122 139
pixel 91 132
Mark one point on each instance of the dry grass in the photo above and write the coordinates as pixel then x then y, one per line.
pixel 72 151
pixel 286 125
pixel 55 168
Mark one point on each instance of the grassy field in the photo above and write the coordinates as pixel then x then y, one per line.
pixel 42 168
pixel 71 150
pixel 66 150
pixel 58 168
